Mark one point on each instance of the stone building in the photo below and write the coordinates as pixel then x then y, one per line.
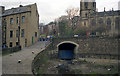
pixel 89 17
pixel 20 26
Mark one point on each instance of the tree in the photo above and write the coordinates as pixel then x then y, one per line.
pixel 100 28
pixel 81 31
pixel 64 29
pixel 72 12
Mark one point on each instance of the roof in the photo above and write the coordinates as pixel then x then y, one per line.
pixel 107 13
pixel 21 9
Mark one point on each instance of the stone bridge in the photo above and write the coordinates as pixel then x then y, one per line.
pixel 87 47
pixel 82 47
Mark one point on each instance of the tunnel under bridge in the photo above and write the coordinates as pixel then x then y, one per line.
pixel 67 49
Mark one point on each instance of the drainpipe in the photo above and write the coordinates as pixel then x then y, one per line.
pixel 19 30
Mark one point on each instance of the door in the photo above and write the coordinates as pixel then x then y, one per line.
pixel 65 54
pixel 25 42
pixel 32 40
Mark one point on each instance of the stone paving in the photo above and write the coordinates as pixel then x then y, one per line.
pixel 10 62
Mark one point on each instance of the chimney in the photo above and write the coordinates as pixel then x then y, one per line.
pixel 112 9
pixel 104 9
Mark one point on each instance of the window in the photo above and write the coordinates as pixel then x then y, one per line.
pixel 116 22
pixel 86 15
pixel 23 19
pixel 94 4
pixel 16 33
pixel 35 34
pixel 11 34
pixel 22 33
pixel 17 44
pixel 86 5
pixel 10 44
pixel 36 12
pixel 11 20
pixel 100 21
pixel 17 20
pixel 93 22
pixel 84 23
pixel 109 23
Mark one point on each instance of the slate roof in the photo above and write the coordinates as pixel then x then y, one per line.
pixel 18 10
pixel 107 13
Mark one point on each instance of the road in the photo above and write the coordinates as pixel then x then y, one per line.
pixel 10 63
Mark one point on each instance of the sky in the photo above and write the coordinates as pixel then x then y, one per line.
pixel 49 10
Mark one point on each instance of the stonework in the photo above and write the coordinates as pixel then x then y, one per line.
pixel 89 17
pixel 88 47
pixel 22 25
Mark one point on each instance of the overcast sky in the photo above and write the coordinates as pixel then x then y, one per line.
pixel 51 9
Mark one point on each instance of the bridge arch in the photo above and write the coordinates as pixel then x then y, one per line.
pixel 68 49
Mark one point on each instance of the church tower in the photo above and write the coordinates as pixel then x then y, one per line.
pixel 87 7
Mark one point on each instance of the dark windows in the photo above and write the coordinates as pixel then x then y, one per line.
pixel 35 34
pixel 116 22
pixel 84 23
pixel 22 33
pixel 109 23
pixel 100 21
pixel 17 20
pixel 94 4
pixel 11 34
pixel 11 20
pixel 16 33
pixel 93 22
pixel 10 44
pixel 23 19
pixel 86 15
pixel 17 44
pixel 86 5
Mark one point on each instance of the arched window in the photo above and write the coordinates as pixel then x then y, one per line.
pixel 109 23
pixel 84 23
pixel 116 22
pixel 93 22
pixel 100 21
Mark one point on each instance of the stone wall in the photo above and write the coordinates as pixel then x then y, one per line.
pixel 90 47
pixel 101 48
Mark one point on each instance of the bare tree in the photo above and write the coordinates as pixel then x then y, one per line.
pixel 72 12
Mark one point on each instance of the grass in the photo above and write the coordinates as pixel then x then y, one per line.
pixel 44 63
pixel 78 71
pixel 40 71
pixel 43 59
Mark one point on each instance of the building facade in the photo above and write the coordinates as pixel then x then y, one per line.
pixel 20 26
pixel 89 17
